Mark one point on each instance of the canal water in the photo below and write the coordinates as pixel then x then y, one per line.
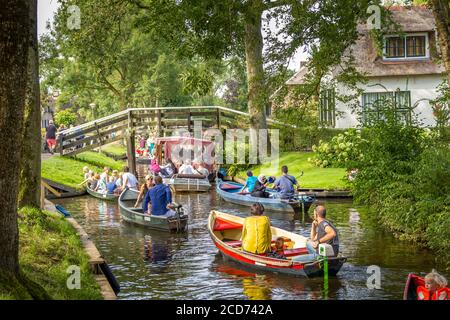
pixel 155 265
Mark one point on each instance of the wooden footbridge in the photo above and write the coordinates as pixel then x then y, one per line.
pixel 164 121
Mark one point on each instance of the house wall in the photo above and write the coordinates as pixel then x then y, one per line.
pixel 422 87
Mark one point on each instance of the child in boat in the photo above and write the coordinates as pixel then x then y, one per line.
pixel 435 287
pixel 86 173
pixel 154 167
pixel 278 252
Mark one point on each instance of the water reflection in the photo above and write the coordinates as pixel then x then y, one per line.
pixel 157 265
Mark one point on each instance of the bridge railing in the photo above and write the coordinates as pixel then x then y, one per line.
pixel 163 120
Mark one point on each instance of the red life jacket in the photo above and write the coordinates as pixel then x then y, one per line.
pixel 440 294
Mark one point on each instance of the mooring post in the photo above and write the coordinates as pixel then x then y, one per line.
pixel 131 152
pixel 131 148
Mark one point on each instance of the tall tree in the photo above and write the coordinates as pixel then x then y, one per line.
pixel 30 164
pixel 234 27
pixel 14 43
pixel 441 12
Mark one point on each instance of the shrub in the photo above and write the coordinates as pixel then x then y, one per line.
pixel 343 151
pixel 66 117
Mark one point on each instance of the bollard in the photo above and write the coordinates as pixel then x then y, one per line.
pixel 324 257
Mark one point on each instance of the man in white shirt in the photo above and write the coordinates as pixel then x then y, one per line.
pixel 129 180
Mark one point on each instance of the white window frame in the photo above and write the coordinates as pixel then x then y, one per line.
pixel 427 47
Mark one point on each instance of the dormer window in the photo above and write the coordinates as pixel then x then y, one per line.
pixel 412 46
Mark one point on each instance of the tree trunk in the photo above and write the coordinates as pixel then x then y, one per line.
pixel 14 43
pixel 30 164
pixel 441 14
pixel 257 97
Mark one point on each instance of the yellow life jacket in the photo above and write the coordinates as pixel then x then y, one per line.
pixel 256 234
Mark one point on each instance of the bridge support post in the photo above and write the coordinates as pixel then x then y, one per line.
pixel 131 152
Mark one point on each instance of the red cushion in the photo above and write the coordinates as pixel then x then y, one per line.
pixel 220 225
pixel 228 186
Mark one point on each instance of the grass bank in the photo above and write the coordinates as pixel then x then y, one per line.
pixel 48 245
pixel 69 171
pixel 115 149
pixel 314 177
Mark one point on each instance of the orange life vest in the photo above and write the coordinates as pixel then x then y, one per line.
pixel 440 294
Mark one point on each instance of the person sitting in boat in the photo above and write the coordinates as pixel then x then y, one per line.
pixel 259 190
pixel 256 233
pixel 249 183
pixel 119 183
pixel 128 179
pixel 285 184
pixel 101 184
pixel 92 181
pixel 154 167
pixel 144 189
pixel 169 169
pixel 115 176
pixel 322 231
pixel 86 172
pixel 202 170
pixel 160 198
pixel 186 168
pixel 105 175
pixel 278 252
pixel 111 187
pixel 435 287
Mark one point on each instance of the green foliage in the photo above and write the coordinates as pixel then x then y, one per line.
pixel 99 160
pixel 48 246
pixel 404 176
pixel 343 151
pixel 66 117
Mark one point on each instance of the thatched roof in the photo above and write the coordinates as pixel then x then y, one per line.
pixel 369 62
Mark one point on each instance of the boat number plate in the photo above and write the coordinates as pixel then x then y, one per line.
pixel 260 264
pixel 147 219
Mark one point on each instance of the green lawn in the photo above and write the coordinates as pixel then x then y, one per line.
pixel 48 245
pixel 115 149
pixel 314 177
pixel 69 171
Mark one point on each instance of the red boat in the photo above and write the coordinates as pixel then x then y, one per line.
pixel 226 229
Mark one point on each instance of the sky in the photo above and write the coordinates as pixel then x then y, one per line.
pixel 47 8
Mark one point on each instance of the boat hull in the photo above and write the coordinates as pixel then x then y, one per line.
pixel 136 216
pixel 266 263
pixel 98 195
pixel 268 203
pixel 188 184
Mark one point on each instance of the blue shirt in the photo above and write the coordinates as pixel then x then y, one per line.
pixel 285 185
pixel 159 196
pixel 250 183
pixel 111 186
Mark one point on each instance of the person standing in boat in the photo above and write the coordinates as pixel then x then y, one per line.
pixel 129 180
pixel 249 183
pixel 256 233
pixel 285 184
pixel 322 231
pixel 160 198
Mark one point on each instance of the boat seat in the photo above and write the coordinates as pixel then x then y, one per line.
pixel 220 225
pixel 229 186
pixel 295 252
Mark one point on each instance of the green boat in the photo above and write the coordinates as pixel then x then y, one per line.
pixel 103 196
pixel 129 213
